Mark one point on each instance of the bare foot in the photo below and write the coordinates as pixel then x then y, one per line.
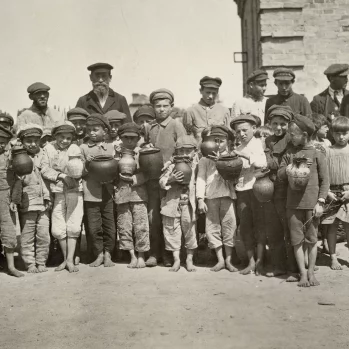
pixel 303 282
pixel 133 263
pixel 167 262
pixel 276 272
pixel 61 266
pixel 316 268
pixel 230 267
pixel 32 269
pixel 151 262
pixel 312 280
pixel 248 270
pixel 42 268
pixel 259 268
pixel 335 265
pixel 15 272
pixel 107 260
pixel 176 266
pixel 190 266
pixel 140 263
pixel 71 267
pixel 292 277
pixel 219 266
pixel 98 261
pixel 77 260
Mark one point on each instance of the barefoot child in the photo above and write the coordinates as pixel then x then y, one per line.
pixel 252 228
pixel 67 209
pixel 304 207
pixel 34 215
pixel 215 197
pixel 131 199
pixel 98 197
pixel 337 157
pixel 178 207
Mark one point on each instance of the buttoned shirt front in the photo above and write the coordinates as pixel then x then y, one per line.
pixel 248 104
pixel 339 94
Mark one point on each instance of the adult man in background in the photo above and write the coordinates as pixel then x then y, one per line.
pixel 102 98
pixel 254 100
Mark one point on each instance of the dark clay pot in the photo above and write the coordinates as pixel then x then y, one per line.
pixel 103 168
pixel 229 167
pixel 208 146
pixel 127 163
pixel 184 167
pixel 263 188
pixel 151 162
pixel 22 164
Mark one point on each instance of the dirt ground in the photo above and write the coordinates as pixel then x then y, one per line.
pixel 153 308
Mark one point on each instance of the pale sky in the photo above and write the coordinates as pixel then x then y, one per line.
pixel 150 43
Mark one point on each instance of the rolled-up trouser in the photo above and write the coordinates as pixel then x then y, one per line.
pixel 132 220
pixel 250 212
pixel 175 227
pixel 220 222
pixel 101 223
pixel 7 221
pixel 67 215
pixel 35 237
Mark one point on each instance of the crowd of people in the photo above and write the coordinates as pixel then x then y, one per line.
pixel 152 217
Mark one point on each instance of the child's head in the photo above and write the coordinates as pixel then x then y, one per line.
pixel 245 126
pixel 321 126
pixel 144 115
pixel 30 136
pixel 263 132
pixel 64 134
pixel 279 117
pixel 284 80
pixel 97 127
pixel 116 119
pixel 301 129
pixel 6 121
pixel 340 130
pixel 209 89
pixel 222 136
pixel 162 102
pixel 78 117
pixel 129 134
pixel 186 145
pixel 46 137
pixel 5 137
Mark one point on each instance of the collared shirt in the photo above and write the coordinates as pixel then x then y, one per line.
pixel 248 104
pixel 339 94
pixel 201 115
pixel 164 136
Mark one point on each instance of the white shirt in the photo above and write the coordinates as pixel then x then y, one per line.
pixel 248 105
pixel 340 94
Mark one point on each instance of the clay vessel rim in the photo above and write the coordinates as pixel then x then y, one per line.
pixel 147 151
pixel 103 158
pixel 228 157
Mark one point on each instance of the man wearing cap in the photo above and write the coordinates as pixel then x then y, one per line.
pixel 254 101
pixel 207 112
pixel 102 98
pixel 39 113
pixel 328 102
pixel 78 117
pixel 284 80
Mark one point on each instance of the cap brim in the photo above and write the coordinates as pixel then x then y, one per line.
pixel 284 78
pixel 130 134
pixel 261 78
pixel 77 117
pixel 211 85
pixel 345 73
pixel 41 90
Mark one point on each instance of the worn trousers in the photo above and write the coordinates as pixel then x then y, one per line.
pixel 35 237
pixel 132 226
pixel 7 221
pixel 101 223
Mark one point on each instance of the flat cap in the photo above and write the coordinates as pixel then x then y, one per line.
pixel 5 133
pixel 248 117
pixel 38 86
pixel 99 65
pixel 6 118
pixel 115 115
pixel 284 111
pixel 98 119
pixel 284 74
pixel 144 110
pixel 207 81
pixel 129 129
pixel 257 75
pixel 28 130
pixel 186 141
pixel 304 123
pixel 337 69
pixel 161 93
pixel 218 130
pixel 63 127
pixel 77 114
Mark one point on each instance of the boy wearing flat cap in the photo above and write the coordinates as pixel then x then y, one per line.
pixel 143 116
pixel 305 206
pixel 207 112
pixel 254 101
pixel 34 215
pixel 215 197
pixel 252 227
pixel 178 207
pixel 284 80
pixel 131 199
pixel 67 209
pixel 78 117
pixel 98 197
pixel 116 119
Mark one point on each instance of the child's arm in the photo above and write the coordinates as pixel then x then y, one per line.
pixel 47 171
pixel 165 176
pixel 16 194
pixel 286 159
pixel 324 182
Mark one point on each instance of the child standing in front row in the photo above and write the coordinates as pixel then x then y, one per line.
pixel 178 207
pixel 304 207
pixel 215 197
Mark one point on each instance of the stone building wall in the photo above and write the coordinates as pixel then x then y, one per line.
pixel 305 35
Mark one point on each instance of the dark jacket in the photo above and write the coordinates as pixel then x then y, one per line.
pixel 114 101
pixel 345 104
pixel 325 105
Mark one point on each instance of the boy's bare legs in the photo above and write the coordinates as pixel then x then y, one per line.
pixel 220 265
pixel 98 261
pixel 189 262
pixel 251 263
pixel 332 241
pixel 140 260
pixel 176 261
pixel 259 262
pixel 71 245
pixel 63 245
pixel 107 260
pixel 299 254
pixel 228 252
pixel 312 252
pixel 133 262
pixel 11 263
pixel 32 269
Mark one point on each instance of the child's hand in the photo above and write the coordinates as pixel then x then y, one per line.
pixel 214 157
pixel 176 176
pixel 241 154
pixel 345 196
pixel 202 207
pixel 69 182
pixel 126 178
pixel 332 196
pixel 318 210
pixel 48 205
pixel 13 207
